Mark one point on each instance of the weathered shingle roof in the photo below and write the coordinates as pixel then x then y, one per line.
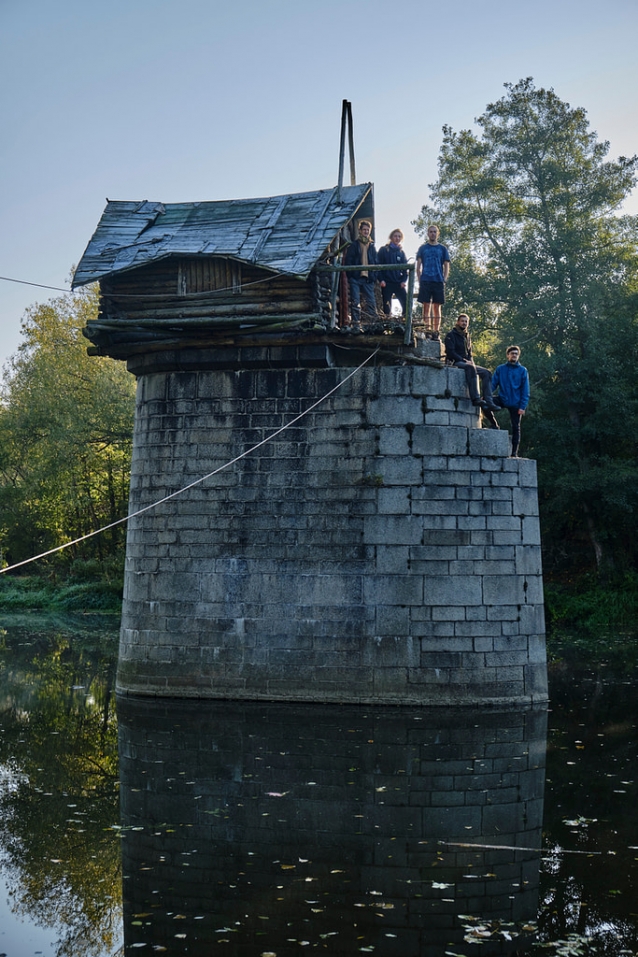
pixel 287 234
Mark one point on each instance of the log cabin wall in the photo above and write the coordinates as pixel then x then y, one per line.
pixel 215 287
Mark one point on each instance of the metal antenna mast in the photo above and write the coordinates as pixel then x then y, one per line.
pixel 346 121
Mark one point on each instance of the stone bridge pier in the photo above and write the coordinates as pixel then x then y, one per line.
pixel 384 549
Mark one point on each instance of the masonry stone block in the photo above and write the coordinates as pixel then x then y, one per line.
pixel 525 501
pixel 394 441
pixel 453 590
pixel 503 590
pixel 489 442
pixel 531 531
pixel 433 440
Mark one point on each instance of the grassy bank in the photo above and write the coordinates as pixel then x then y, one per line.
pixel 25 592
pixel 592 605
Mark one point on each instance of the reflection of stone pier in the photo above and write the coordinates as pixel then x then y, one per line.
pixel 268 825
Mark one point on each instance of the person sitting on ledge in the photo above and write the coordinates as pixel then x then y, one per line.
pixel 512 381
pixel 458 352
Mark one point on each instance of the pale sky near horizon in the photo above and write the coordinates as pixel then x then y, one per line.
pixel 185 100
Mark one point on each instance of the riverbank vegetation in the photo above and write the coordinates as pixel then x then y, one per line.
pixel 542 256
pixel 66 424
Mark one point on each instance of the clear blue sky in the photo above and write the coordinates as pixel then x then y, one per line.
pixel 178 100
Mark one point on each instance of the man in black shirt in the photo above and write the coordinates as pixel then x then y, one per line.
pixel 458 352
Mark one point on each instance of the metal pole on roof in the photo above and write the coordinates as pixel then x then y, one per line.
pixel 342 148
pixel 353 174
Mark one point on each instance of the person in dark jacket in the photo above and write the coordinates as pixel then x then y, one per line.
pixel 458 351
pixel 361 284
pixel 393 282
pixel 511 379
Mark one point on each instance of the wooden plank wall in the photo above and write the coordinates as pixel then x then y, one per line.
pixel 196 288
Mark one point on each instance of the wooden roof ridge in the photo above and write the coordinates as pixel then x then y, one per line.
pixel 286 234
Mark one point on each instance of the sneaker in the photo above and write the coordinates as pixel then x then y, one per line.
pixel 491 405
pixel 481 403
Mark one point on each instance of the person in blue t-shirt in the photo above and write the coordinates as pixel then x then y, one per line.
pixel 512 381
pixel 432 270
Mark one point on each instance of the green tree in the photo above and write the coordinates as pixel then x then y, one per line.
pixel 66 422
pixel 542 256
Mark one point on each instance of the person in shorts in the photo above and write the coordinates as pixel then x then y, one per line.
pixel 432 270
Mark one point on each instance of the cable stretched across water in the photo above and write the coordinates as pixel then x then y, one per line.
pixel 238 458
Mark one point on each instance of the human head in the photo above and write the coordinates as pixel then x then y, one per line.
pixel 396 232
pixel 363 223
pixel 433 234
pixel 462 320
pixel 513 353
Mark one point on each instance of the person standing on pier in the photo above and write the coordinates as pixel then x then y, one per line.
pixel 511 379
pixel 361 284
pixel 393 282
pixel 432 270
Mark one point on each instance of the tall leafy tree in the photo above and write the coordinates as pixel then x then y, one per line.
pixel 542 256
pixel 66 422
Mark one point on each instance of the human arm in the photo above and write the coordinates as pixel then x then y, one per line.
pixel 382 257
pixel 445 264
pixel 524 393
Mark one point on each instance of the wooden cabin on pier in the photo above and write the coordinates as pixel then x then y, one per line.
pixel 176 273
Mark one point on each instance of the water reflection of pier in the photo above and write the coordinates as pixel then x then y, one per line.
pixel 253 828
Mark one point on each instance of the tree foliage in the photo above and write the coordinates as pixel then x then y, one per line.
pixel 542 256
pixel 66 422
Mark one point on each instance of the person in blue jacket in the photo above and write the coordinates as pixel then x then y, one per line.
pixel 393 281
pixel 511 379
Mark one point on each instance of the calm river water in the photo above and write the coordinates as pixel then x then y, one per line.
pixel 265 829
